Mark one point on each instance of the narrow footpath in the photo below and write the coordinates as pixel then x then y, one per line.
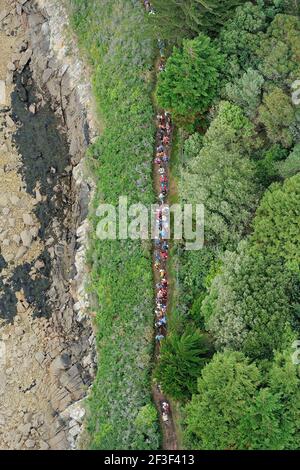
pixel 161 178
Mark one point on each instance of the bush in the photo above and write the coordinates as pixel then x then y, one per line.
pixel 181 360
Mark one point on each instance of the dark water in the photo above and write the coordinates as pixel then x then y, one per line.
pixel 44 150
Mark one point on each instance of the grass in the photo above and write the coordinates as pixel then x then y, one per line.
pixel 121 412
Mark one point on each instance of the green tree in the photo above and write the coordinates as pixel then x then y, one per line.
pixel 248 307
pixel 190 80
pixel 185 19
pixel 246 91
pixel 259 428
pixel 222 177
pixel 181 360
pixel 240 38
pixel 284 383
pixel 232 130
pixel 277 223
pixel 268 165
pixel 291 166
pixel 279 50
pixel 226 388
pixel 278 115
pixel 239 407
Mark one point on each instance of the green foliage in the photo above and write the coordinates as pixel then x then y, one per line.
pixel 226 388
pixel 252 304
pixel 237 407
pixel 283 381
pixel 246 91
pixel 277 223
pixel 147 425
pixel 248 307
pixel 222 177
pixel 240 39
pixel 176 20
pixel 190 80
pixel 181 359
pixel 291 166
pixel 232 130
pixel 121 61
pixel 268 165
pixel 192 146
pixel 278 115
pixel 279 50
pixel 260 427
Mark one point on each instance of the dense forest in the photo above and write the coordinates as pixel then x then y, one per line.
pixel 228 82
pixel 226 363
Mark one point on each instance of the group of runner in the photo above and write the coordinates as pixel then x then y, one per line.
pixel 164 131
pixel 161 161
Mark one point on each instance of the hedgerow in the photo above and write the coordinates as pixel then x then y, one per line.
pixel 121 61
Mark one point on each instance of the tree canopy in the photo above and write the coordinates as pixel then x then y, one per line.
pixel 222 177
pixel 181 359
pixel 239 407
pixel 190 80
pixel 176 20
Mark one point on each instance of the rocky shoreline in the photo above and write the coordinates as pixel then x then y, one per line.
pixel 47 344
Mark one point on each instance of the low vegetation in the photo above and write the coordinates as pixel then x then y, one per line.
pixel 122 415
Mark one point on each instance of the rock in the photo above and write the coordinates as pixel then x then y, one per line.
pixel 20 307
pixel 35 19
pixel 27 219
pixel 9 121
pixel 39 264
pixel 19 331
pixel 59 441
pixel 28 418
pixel 72 381
pixel 75 430
pixel 77 413
pixel 26 238
pixel 24 429
pixel 16 238
pixel 47 75
pixel 11 67
pixel 38 195
pixel 34 231
pixel 11 222
pixel 32 108
pixel 43 445
pixel 60 363
pixel 19 9
pixel 29 443
pixel 3 200
pixel 21 252
pixel 39 357
pixel 25 58
pixel 14 200
pixel 2 92
pixel 3 14
pixel 5 211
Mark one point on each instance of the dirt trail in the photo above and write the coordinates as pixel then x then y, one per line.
pixel 160 171
pixel 167 427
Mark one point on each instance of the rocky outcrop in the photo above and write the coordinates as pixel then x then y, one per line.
pixel 58 350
